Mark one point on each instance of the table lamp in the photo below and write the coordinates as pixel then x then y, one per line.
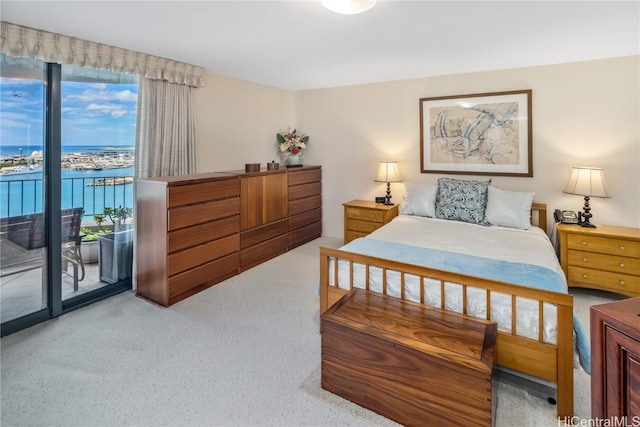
pixel 587 182
pixel 388 172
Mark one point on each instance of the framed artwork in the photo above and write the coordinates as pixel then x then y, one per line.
pixel 478 134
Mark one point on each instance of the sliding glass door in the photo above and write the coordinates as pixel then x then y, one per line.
pixel 23 253
pixel 97 168
pixel 66 188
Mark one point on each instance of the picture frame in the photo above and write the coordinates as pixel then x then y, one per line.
pixel 477 134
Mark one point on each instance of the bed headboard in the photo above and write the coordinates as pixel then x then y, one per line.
pixel 539 215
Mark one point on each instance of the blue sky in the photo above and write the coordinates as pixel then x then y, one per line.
pixel 99 114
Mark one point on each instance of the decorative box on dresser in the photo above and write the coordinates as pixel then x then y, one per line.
pixel 361 217
pixel 305 205
pixel 605 258
pixel 187 234
pixel 263 216
pixel 615 362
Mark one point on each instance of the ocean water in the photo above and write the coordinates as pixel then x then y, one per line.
pixel 21 192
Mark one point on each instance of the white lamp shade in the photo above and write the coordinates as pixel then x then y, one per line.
pixel 586 181
pixel 348 7
pixel 388 172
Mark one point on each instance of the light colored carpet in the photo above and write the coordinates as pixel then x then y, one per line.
pixel 235 354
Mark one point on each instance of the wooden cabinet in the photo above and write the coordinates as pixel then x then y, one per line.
pixel 615 361
pixel 194 231
pixel 187 234
pixel 419 366
pixel 304 205
pixel 263 216
pixel 605 258
pixel 361 217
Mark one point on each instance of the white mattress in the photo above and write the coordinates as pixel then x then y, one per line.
pixel 524 246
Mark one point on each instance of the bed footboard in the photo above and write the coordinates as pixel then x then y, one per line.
pixel 536 357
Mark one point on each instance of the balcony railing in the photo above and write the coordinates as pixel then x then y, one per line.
pixel 24 196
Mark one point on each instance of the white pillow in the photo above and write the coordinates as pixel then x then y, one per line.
pixel 420 200
pixel 509 208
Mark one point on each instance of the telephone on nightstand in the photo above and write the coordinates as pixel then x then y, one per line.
pixel 565 217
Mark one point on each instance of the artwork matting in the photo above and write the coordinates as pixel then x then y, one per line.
pixel 477 134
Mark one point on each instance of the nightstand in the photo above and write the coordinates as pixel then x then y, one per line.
pixel 361 217
pixel 605 258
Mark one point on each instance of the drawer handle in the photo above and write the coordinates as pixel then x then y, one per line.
pixel 373 215
pixel 622 264
pixel 584 243
pixel 584 276
pixel 355 225
pixel 622 248
pixel 373 227
pixel 585 260
pixel 622 282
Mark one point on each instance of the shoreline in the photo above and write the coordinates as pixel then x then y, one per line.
pixel 106 159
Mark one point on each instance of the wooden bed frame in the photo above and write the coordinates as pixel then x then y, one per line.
pixel 530 356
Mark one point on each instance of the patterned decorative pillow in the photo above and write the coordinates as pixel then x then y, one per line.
pixel 462 200
pixel 419 200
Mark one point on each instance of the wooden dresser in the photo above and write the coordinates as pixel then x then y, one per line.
pixel 615 361
pixel 605 258
pixel 187 234
pixel 361 217
pixel 194 231
pixel 305 205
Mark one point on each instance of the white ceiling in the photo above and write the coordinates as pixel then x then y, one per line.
pixel 300 45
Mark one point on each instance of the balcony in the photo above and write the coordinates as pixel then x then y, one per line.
pixel 22 284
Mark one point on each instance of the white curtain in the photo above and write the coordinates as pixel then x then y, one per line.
pixel 166 130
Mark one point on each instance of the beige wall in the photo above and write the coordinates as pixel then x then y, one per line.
pixel 584 113
pixel 237 122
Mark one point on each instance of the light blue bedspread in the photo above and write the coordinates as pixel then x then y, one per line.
pixel 505 271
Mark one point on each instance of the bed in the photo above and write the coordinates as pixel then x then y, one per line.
pixel 468 247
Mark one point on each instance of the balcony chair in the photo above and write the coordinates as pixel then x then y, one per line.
pixel 71 223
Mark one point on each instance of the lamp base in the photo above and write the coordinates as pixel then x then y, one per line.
pixel 387 199
pixel 586 224
pixel 584 217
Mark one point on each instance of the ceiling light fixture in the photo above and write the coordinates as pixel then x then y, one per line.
pixel 348 7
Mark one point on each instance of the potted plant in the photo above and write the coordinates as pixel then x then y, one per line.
pixel 116 248
pixel 90 244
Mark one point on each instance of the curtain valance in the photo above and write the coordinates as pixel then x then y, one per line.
pixel 17 40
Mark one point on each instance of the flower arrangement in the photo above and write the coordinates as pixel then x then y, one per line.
pixel 290 142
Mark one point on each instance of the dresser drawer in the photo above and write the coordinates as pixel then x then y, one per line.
pixel 621 283
pixel 599 261
pixel 304 176
pixel 185 216
pixel 363 226
pixel 352 235
pixel 604 245
pixel 304 190
pixel 303 219
pixel 197 255
pixel 261 234
pixel 192 281
pixel 364 214
pixel 306 204
pixel 180 195
pixel 202 233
